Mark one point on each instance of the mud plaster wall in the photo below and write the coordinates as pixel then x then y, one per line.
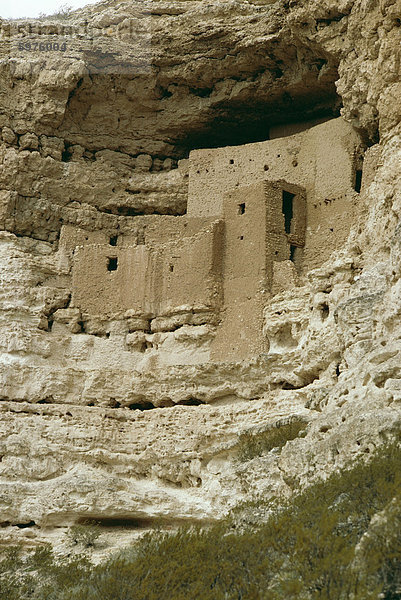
pixel 281 243
pixel 255 240
pixel 245 275
pixel 321 159
pixel 109 280
pixel 191 271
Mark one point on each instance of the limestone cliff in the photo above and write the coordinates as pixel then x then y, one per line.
pixel 96 143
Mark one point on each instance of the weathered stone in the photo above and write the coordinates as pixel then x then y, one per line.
pixel 143 163
pixel 254 339
pixel 167 164
pixel 52 146
pixel 8 135
pixel 136 341
pixel 29 141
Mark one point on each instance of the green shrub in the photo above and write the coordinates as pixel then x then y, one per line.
pixel 251 445
pixel 84 535
pixel 322 544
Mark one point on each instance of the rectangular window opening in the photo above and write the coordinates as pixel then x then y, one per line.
pixel 287 209
pixel 292 253
pixel 241 208
pixel 113 240
pixel 112 264
pixel 358 180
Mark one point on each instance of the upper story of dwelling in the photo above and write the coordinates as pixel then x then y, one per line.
pixel 325 160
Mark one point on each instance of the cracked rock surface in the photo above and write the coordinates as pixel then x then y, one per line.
pixel 102 132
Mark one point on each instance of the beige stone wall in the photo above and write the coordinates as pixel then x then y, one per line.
pixel 246 274
pixel 279 242
pixel 191 271
pixel 72 236
pixel 321 160
pixel 159 229
pixel 98 291
pixel 255 241
pixel 148 280
pixel 329 222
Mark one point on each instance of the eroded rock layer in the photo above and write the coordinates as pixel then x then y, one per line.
pixel 96 143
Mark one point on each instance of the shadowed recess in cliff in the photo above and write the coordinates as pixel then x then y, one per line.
pixel 130 522
pixel 235 110
pixel 232 125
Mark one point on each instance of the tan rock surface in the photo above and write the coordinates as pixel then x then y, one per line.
pixel 91 138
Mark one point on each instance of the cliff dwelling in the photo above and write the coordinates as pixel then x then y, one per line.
pixel 145 289
pixel 258 216
pixel 190 286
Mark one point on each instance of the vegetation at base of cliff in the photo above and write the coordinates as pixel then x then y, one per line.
pixel 85 534
pixel 339 539
pixel 251 445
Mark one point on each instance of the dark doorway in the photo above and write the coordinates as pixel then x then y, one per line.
pixel 287 210
pixel 358 180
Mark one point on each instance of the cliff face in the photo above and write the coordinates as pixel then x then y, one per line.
pixel 96 137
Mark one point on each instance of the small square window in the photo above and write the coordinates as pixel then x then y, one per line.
pixel 241 208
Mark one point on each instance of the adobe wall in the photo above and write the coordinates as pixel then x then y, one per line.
pixel 280 244
pixel 72 236
pixel 321 160
pixel 98 291
pixel 148 229
pixel 146 279
pixel 190 271
pixel 329 222
pixel 245 275
pixel 254 241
